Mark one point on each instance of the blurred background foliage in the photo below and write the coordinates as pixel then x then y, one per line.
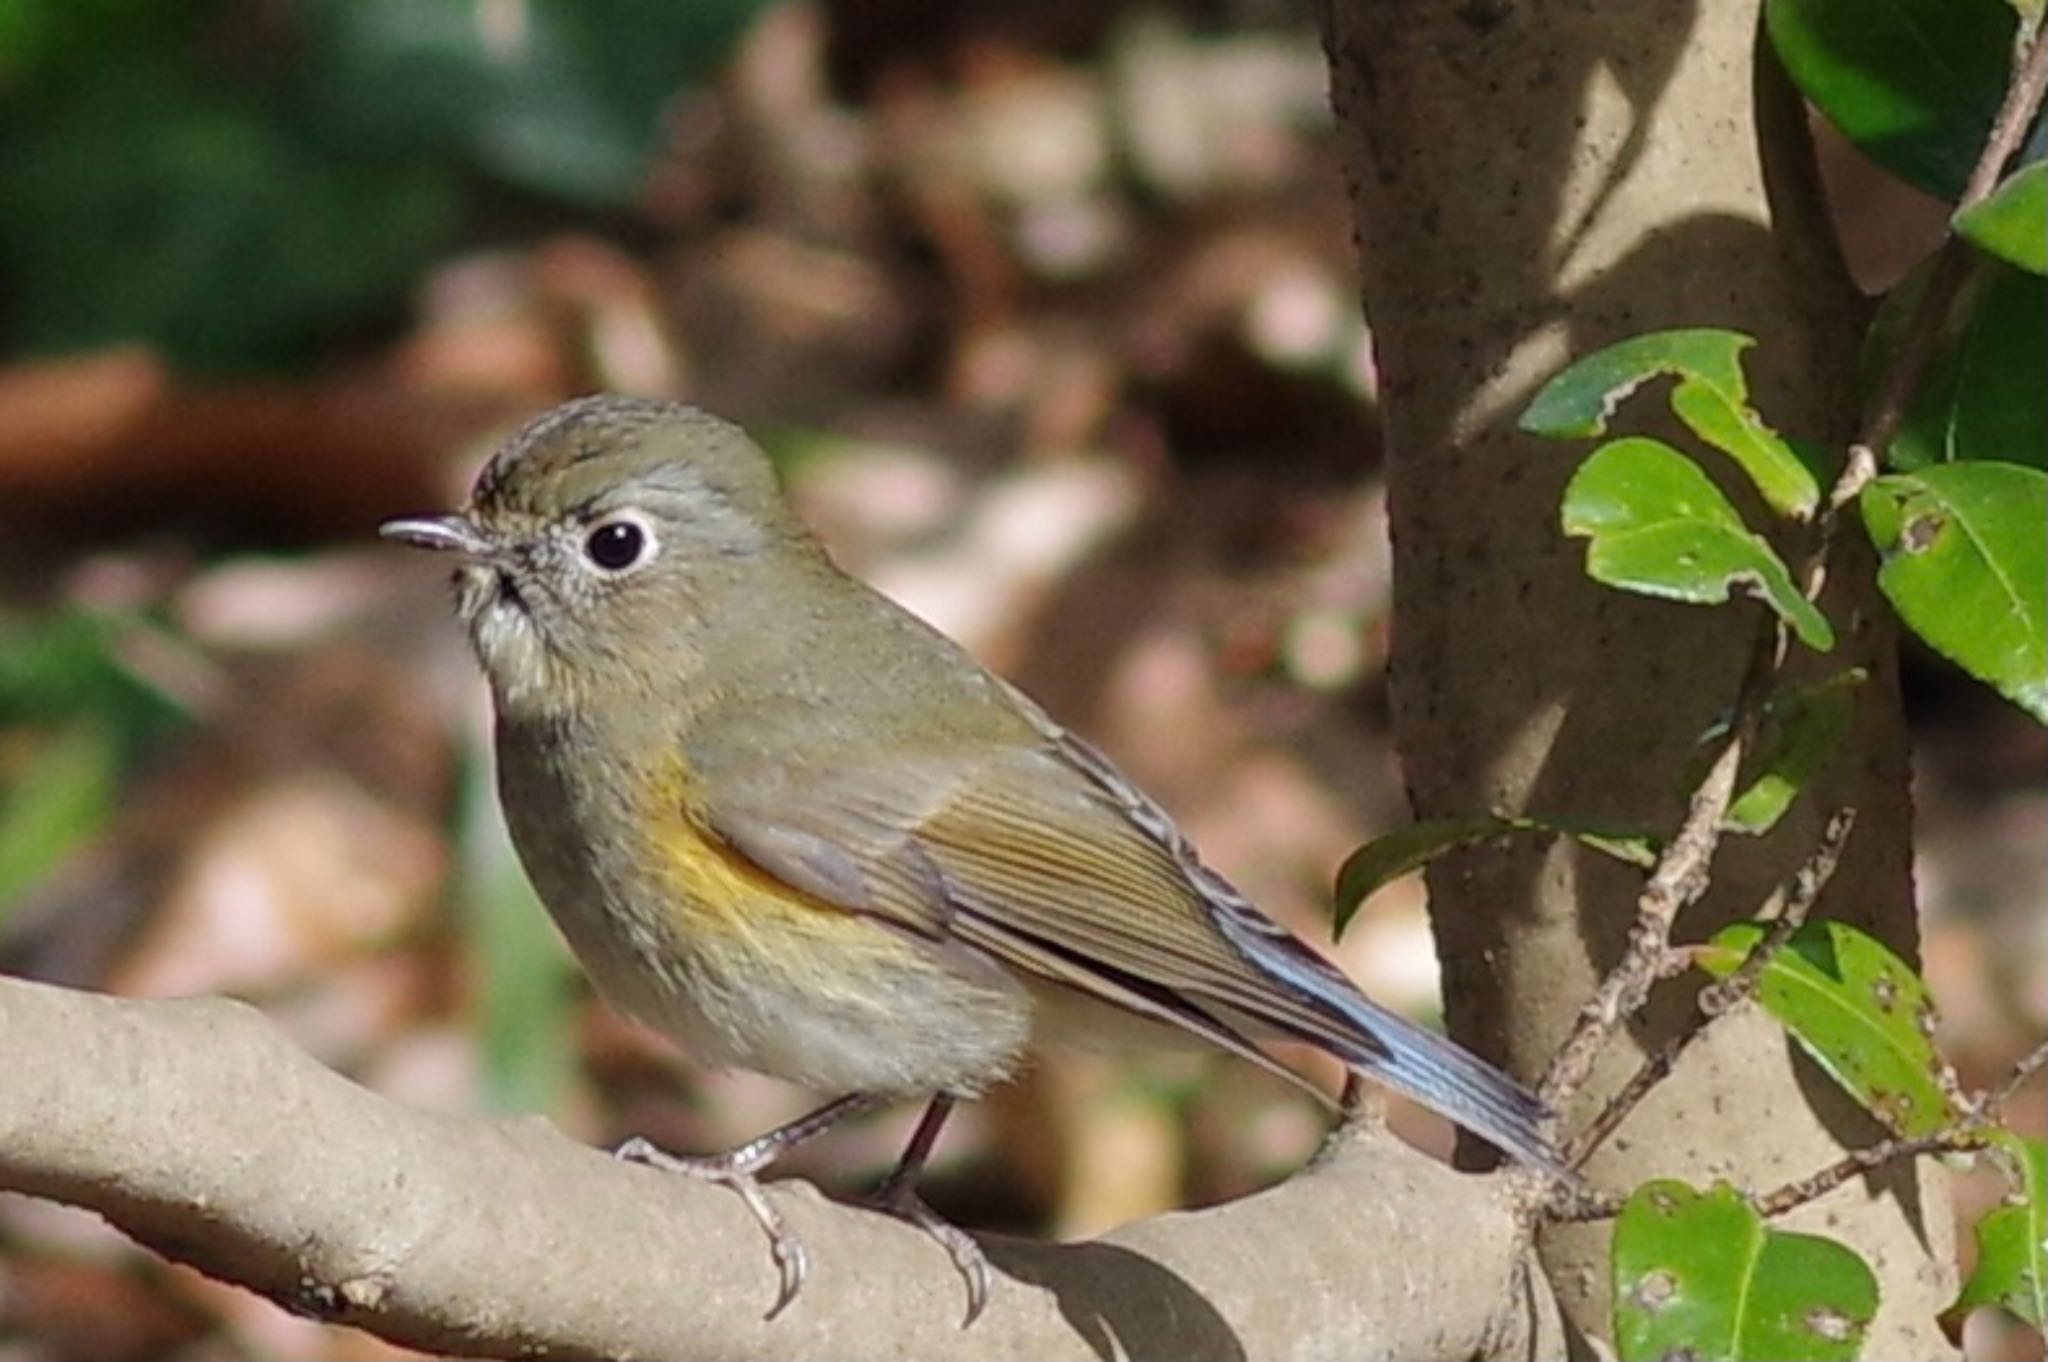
pixel 1049 311
pixel 238 184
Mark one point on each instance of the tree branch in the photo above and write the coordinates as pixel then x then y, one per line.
pixel 196 1128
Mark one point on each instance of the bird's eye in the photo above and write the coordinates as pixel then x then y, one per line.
pixel 617 545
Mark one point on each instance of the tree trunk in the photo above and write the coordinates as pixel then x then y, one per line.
pixel 1533 181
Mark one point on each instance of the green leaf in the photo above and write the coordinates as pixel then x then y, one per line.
pixel 2012 1241
pixel 2012 221
pixel 1803 727
pixel 1965 565
pixel 1858 1010
pixel 1711 397
pixel 1659 527
pixel 1406 849
pixel 59 801
pixel 1913 83
pixel 1981 397
pixel 1700 1276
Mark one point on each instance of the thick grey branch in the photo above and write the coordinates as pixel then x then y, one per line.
pixel 195 1127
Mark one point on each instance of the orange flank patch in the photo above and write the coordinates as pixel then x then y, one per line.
pixel 720 894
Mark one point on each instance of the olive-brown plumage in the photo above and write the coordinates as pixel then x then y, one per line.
pixel 799 831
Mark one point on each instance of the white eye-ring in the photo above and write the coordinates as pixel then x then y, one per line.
pixel 619 543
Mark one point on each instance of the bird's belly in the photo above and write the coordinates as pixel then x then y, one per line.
pixel 881 1016
pixel 740 970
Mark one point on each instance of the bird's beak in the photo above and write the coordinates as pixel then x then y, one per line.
pixel 442 533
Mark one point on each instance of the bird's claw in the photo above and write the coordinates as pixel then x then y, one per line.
pixel 792 1264
pixel 898 1198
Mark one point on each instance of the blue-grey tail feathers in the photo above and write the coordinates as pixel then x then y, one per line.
pixel 1433 1070
pixel 1447 1078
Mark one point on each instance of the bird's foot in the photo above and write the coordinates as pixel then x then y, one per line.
pixel 737 1170
pixel 898 1197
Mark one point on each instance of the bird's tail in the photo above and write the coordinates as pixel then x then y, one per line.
pixel 1389 1049
pixel 1450 1079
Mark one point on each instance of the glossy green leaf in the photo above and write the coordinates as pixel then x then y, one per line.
pixel 1407 849
pixel 1803 727
pixel 1700 1276
pixel 2012 1240
pixel 2012 222
pixel 1981 397
pixel 1858 1010
pixel 63 796
pixel 1963 562
pixel 1659 527
pixel 1711 397
pixel 1913 83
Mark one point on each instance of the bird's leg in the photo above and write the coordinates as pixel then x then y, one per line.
pixel 899 1197
pixel 738 1169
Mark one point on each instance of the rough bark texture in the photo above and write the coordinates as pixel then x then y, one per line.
pixel 196 1128
pixel 1534 180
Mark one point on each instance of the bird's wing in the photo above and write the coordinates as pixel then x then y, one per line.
pixel 1026 853
pixel 1045 857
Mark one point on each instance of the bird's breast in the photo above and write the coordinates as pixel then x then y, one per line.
pixel 680 930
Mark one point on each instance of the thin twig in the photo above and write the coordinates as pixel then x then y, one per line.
pixel 2022 1071
pixel 1971 1132
pixel 2009 126
pixel 1573 1205
pixel 1952 267
pixel 1967 1135
pixel 1678 879
pixel 1719 998
pixel 1681 873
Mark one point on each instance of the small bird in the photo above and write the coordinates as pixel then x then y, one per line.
pixel 796 830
